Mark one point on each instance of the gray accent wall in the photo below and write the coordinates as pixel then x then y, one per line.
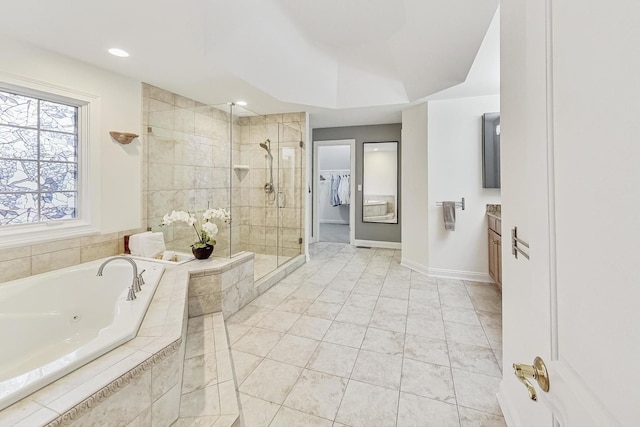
pixel 372 133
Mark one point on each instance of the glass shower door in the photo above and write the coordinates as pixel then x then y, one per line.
pixel 290 188
pixel 266 187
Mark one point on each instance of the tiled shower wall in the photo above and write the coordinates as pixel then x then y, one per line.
pixel 265 218
pixel 186 164
pixel 187 167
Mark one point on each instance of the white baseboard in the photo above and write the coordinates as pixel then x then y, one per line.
pixel 377 244
pixel 333 221
pixel 469 276
pixel 423 269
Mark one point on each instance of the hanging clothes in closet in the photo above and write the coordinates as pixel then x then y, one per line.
pixel 335 190
pixel 344 190
pixel 340 193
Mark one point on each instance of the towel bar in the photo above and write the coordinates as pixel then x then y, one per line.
pixel 514 244
pixel 458 204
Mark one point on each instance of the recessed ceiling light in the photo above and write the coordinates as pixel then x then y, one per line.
pixel 118 52
pixel 241 103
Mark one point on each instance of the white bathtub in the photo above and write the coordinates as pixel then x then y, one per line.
pixel 53 323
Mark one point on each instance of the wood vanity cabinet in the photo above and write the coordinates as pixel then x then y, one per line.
pixel 495 249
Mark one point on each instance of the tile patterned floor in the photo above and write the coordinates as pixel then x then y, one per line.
pixel 352 338
pixel 337 233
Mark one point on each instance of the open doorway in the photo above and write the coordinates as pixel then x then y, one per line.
pixel 333 213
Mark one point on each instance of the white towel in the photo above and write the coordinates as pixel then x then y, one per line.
pixel 449 214
pixel 135 245
pixel 152 245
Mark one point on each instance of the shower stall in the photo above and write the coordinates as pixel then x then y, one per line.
pixel 226 156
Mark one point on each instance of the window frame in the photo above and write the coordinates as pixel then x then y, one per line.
pixel 87 215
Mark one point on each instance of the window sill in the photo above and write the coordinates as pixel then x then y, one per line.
pixel 43 233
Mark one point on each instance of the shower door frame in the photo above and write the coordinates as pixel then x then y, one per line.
pixel 298 202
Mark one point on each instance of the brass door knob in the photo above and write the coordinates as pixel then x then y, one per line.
pixel 537 371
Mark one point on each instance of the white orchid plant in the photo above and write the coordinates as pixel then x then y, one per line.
pixel 206 229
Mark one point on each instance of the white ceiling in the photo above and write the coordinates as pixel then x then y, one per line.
pixel 347 62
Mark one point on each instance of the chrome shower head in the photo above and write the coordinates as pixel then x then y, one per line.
pixel 266 145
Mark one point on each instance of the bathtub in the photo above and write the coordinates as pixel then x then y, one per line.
pixel 53 323
pixel 373 208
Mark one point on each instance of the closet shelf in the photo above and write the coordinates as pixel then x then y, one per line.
pixel 241 167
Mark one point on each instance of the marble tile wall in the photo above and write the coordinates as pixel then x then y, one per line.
pixel 152 398
pixel 28 260
pixel 226 291
pixel 186 164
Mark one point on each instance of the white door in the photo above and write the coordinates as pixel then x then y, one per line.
pixel 570 133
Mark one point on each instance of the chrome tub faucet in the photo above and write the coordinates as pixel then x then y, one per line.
pixel 137 278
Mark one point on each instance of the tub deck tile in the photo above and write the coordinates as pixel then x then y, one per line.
pixel 78 377
pixel 20 411
pixel 40 417
pixel 163 332
pixel 219 382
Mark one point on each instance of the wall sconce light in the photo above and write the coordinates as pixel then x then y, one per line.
pixel 123 137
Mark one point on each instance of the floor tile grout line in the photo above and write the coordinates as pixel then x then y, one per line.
pixel 446 340
pixel 215 349
pixel 495 359
pixel 404 346
pixel 354 363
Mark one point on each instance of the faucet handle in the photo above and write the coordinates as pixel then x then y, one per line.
pixel 135 285
pixel 132 294
pixel 140 278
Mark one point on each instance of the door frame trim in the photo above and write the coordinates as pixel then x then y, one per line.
pixel 316 182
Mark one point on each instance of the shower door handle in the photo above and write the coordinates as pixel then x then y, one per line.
pixel 281 199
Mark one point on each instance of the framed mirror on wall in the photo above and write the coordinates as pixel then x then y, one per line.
pixel 491 150
pixel 380 182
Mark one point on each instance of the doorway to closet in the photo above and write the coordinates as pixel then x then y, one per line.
pixel 333 213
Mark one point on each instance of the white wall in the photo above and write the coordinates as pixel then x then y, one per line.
pixel 455 171
pixel 119 99
pixel 334 157
pixel 442 160
pixel 415 234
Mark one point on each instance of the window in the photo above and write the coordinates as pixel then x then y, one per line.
pixel 38 160
pixel 49 170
